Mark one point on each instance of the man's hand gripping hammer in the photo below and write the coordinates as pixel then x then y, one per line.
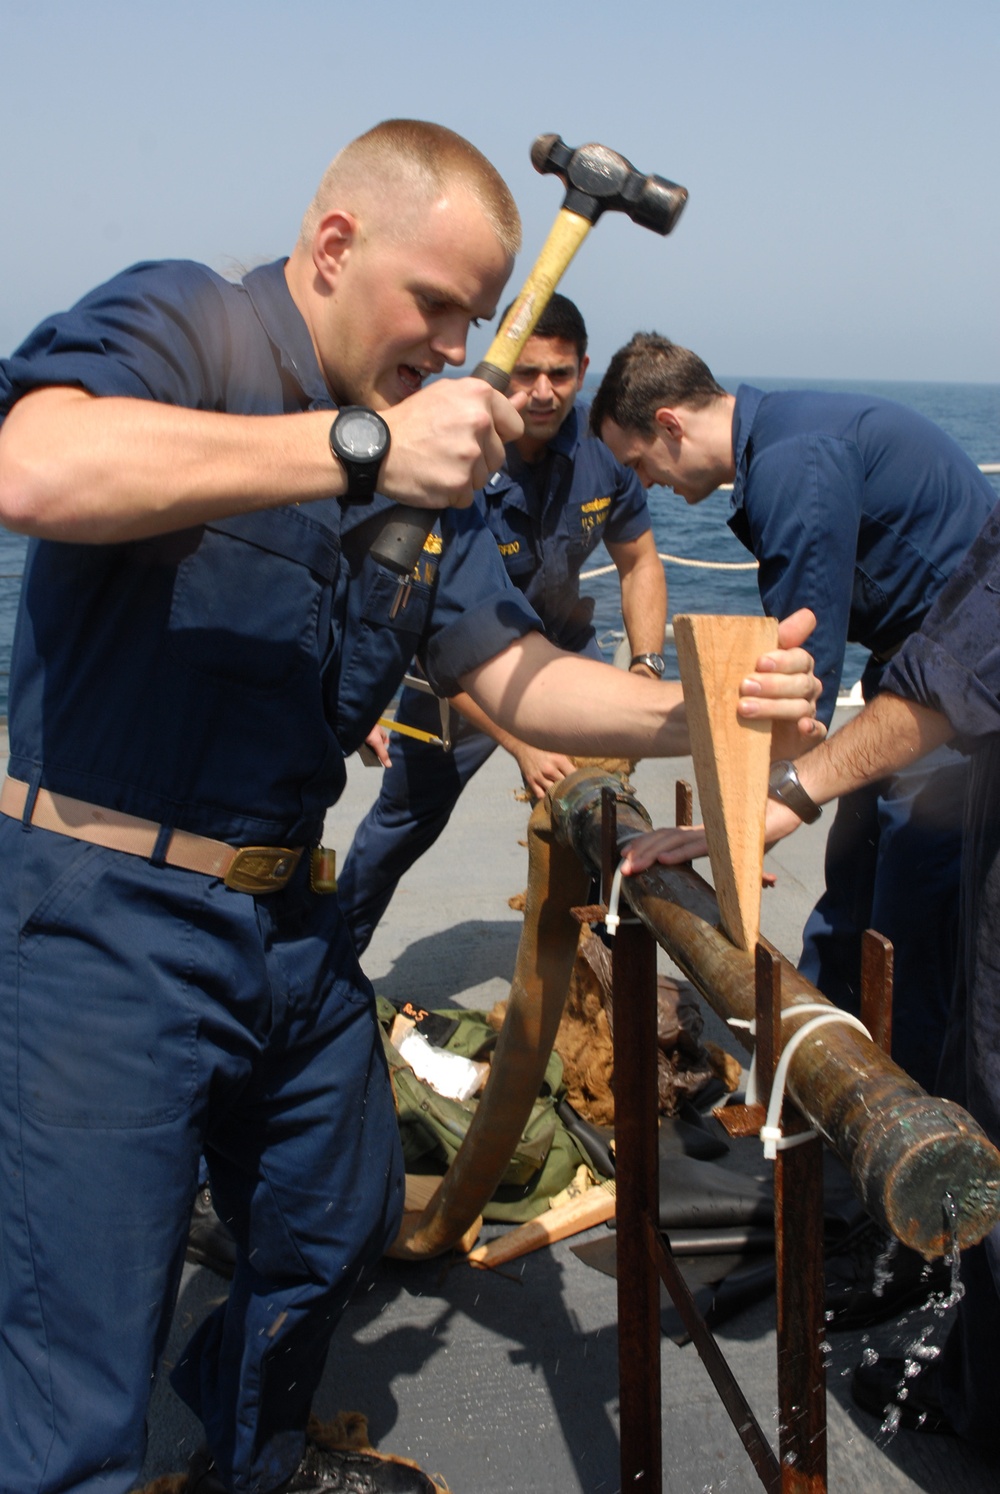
pixel 598 180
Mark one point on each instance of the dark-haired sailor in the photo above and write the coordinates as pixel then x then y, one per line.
pixel 866 508
pixel 558 495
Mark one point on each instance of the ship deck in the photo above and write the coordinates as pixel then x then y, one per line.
pixel 508 1382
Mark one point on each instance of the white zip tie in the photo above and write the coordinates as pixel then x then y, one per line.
pixel 612 918
pixel 771 1134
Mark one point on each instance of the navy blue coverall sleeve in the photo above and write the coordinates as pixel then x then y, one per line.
pixel 156 331
pixel 953 664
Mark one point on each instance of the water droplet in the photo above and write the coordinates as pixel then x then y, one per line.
pixel 890 1426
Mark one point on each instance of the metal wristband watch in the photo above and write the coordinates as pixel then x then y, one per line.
pixel 359 439
pixel 785 785
pixel 655 662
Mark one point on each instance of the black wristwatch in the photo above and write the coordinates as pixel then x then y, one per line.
pixel 359 439
pixel 785 785
pixel 655 662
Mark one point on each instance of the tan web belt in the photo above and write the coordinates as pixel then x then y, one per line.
pixel 253 869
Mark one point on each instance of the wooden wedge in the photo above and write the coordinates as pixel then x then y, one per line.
pixel 731 757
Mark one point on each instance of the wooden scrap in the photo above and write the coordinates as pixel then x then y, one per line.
pixel 595 1206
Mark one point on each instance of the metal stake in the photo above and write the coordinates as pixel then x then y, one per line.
pixel 798 1234
pixel 876 987
pixel 637 1187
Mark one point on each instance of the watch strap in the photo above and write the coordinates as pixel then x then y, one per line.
pixel 655 662
pixel 785 785
pixel 362 474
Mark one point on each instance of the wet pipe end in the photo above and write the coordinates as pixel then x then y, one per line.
pixel 944 1154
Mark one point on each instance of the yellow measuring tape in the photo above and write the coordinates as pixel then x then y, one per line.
pixel 389 724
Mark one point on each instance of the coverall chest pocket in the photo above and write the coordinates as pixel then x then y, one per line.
pixel 585 525
pixel 382 634
pixel 248 602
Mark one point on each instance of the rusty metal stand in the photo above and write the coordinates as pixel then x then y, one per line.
pixel 637 1190
pixel 644 1253
pixel 798 1240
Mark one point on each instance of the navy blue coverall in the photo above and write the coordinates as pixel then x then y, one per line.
pixel 860 509
pixel 546 519
pixel 209 680
pixel 953 666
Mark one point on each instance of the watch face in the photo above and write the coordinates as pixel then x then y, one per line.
pixel 361 433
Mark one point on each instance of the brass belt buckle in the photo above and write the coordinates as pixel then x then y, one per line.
pixel 261 868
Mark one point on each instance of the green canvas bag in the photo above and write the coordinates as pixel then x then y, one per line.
pixel 433 1127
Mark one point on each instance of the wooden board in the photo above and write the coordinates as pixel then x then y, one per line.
pixel 595 1206
pixel 731 757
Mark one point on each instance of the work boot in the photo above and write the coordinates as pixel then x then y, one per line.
pixel 325 1470
pixel 901 1393
pixel 209 1241
pixel 877 1278
pixel 333 1471
pixel 201 1475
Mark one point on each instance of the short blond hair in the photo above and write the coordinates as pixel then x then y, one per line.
pixel 415 161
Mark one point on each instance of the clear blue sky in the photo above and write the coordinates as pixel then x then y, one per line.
pixel 842 159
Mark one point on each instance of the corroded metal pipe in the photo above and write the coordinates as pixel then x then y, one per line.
pixel 905 1150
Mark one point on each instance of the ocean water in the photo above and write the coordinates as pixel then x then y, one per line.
pixel 968 412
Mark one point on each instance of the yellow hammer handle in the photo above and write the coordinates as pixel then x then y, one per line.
pixel 567 234
pixel 401 538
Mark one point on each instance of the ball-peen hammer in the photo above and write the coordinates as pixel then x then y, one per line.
pixel 598 180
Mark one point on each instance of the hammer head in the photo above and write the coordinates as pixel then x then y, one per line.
pixel 599 180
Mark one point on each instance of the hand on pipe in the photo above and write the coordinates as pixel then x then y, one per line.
pixel 667 846
pixel 540 769
pixel 674 847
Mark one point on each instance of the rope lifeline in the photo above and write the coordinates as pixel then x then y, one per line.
pixel 704 565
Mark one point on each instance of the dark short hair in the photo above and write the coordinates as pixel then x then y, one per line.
pixel 561 318
pixel 648 374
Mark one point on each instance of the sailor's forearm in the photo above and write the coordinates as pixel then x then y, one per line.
pixel 644 594
pixel 578 706
pixel 581 708
pixel 101 471
pixel 477 717
pixel 887 735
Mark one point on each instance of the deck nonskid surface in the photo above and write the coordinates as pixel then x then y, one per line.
pixel 508 1382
